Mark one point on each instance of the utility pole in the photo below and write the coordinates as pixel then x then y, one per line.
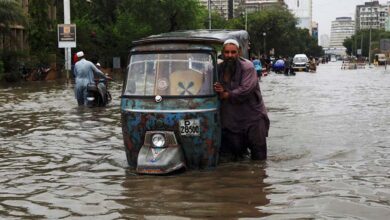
pixel 209 7
pixel 264 35
pixel 246 19
pixel 355 36
pixel 67 50
pixel 361 43
pixel 369 40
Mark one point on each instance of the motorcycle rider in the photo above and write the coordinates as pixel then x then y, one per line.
pixel 84 73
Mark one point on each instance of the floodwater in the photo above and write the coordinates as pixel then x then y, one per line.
pixel 329 156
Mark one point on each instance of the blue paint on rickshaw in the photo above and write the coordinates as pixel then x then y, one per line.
pixel 169 111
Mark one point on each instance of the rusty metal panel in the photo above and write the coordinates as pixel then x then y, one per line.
pixel 141 115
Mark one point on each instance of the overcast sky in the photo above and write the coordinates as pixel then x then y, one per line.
pixel 326 11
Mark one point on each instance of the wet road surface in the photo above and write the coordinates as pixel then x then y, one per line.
pixel 329 148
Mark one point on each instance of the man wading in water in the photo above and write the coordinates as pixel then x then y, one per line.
pixel 245 122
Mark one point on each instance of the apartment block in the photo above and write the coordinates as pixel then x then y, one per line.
pixel 371 15
pixel 226 8
pixel 234 8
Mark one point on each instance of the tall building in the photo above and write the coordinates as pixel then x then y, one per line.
pixel 341 28
pixel 258 5
pixel 324 40
pixel 314 30
pixel 371 15
pixel 234 8
pixel 303 10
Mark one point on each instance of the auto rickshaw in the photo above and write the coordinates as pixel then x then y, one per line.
pixel 169 110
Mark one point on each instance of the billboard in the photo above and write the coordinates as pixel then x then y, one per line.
pixel 384 44
pixel 66 35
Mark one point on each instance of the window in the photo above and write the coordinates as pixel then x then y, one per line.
pixel 170 74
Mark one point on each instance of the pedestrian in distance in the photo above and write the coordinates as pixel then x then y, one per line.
pixel 74 61
pixel 257 64
pixel 244 118
pixel 84 74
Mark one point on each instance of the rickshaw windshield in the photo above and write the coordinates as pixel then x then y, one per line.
pixel 170 74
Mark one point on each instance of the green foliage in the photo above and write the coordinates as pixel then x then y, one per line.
pixel 1 69
pixel 43 31
pixel 10 13
pixel 1 66
pixel 360 40
pixel 10 61
pixel 106 28
pixel 281 33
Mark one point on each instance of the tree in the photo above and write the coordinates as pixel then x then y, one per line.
pixel 361 39
pixel 140 18
pixel 43 30
pixel 11 13
pixel 217 21
pixel 281 33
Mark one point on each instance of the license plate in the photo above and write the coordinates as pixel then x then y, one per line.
pixel 190 127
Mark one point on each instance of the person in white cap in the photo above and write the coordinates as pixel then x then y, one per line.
pixel 244 118
pixel 84 71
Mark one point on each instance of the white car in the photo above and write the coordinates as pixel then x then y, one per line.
pixel 300 62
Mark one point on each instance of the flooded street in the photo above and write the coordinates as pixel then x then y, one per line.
pixel 329 156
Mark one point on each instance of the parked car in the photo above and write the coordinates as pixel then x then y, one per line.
pixel 300 62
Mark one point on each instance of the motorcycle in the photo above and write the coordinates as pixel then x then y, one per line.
pixel 98 94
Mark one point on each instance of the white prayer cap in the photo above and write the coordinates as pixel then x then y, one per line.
pixel 80 54
pixel 98 64
pixel 231 41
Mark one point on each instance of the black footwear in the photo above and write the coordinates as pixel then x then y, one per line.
pixel 258 155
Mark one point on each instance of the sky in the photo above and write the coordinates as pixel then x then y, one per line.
pixel 326 11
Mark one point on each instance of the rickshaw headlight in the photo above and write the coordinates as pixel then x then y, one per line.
pixel 158 140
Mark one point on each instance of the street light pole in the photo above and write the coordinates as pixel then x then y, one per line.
pixel 209 7
pixel 246 19
pixel 67 50
pixel 361 43
pixel 265 49
pixel 369 40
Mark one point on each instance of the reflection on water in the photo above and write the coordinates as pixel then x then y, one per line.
pixel 328 156
pixel 230 191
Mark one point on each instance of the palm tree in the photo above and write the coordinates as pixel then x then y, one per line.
pixel 11 13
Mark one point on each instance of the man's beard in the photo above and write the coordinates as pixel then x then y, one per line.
pixel 230 66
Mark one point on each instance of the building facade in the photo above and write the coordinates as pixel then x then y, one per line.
pixel 303 10
pixel 226 8
pixel 17 39
pixel 324 40
pixel 371 15
pixel 258 5
pixel 314 30
pixel 341 28
pixel 235 8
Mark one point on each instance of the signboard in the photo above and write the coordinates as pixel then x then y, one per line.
pixel 359 52
pixel 384 44
pixel 66 35
pixel 116 62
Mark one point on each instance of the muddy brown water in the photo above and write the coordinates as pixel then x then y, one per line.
pixel 329 148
